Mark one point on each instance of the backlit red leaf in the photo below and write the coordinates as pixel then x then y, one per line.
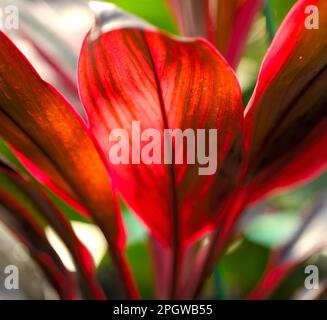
pixel 286 121
pixel 130 72
pixel 52 141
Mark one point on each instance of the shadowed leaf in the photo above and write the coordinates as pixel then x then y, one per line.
pixel 29 231
pixel 285 121
pixel 52 141
pixel 45 208
pixel 308 240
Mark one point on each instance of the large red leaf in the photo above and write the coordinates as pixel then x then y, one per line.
pixel 226 23
pixel 55 145
pixel 130 72
pixel 286 121
pixel 52 140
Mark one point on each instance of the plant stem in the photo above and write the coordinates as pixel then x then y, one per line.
pixel 124 273
pixel 207 266
pixel 176 254
pixel 219 240
pixel 219 285
pixel 175 272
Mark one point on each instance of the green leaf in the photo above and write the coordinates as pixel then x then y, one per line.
pixel 270 20
pixel 9 156
pixel 68 211
pixel 241 268
pixel 280 8
pixel 135 230
pixel 20 197
pixel 155 12
pixel 139 258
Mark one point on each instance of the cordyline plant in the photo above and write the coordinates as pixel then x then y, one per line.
pixel 130 71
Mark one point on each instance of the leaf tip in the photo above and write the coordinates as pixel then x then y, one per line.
pixel 109 17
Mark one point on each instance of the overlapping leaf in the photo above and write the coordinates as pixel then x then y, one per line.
pixel 43 206
pixel 52 141
pixel 309 239
pixel 48 43
pixel 286 119
pixel 130 72
pixel 226 23
pixel 21 222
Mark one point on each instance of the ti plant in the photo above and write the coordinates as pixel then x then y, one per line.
pixel 129 71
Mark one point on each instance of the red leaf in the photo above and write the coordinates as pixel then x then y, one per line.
pixel 46 209
pixel 52 141
pixel 57 148
pixel 226 23
pixel 130 72
pixel 243 21
pixel 286 121
pixel 27 229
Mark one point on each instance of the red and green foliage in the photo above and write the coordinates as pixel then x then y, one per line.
pixel 131 71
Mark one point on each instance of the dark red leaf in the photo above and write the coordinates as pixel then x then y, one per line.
pixel 27 229
pixel 61 225
pixel 55 145
pixel 285 121
pixel 52 140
